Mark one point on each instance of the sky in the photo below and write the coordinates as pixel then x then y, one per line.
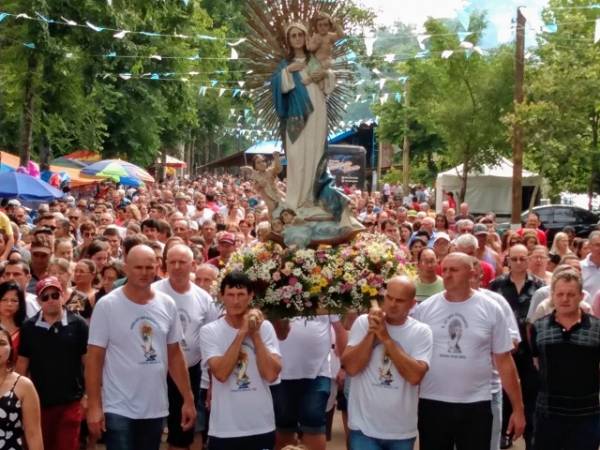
pixel 499 13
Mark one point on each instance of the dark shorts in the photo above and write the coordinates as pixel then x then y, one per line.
pixel 258 442
pixel 177 437
pixel 300 405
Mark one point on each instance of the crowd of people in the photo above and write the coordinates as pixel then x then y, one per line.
pixel 118 325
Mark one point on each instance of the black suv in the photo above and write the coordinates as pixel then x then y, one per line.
pixel 555 217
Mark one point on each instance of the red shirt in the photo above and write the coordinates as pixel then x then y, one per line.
pixel 541 236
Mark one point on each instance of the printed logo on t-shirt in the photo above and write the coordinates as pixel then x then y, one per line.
pixel 455 324
pixel 385 370
pixel 184 318
pixel 145 327
pixel 242 380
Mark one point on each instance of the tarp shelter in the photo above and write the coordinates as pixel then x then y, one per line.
pixel 489 189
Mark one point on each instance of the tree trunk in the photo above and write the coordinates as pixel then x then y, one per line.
pixel 463 181
pixel 27 112
pixel 594 172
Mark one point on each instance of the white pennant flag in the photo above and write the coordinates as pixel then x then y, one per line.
pixel 597 31
pixel 221 92
pixel 120 34
pixel 369 43
pixel 382 83
pixel 466 45
pixel 447 54
pixel 69 22
pixel 389 58
pixel 125 76
pixel 238 42
pixel 193 73
pixel 357 98
pixel 157 57
pixel 94 27
pixel 241 83
pixel 23 16
pixel 384 99
pixel 234 54
pixel 421 38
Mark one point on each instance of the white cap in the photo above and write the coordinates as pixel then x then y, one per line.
pixel 441 235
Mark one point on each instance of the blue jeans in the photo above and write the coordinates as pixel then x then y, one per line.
pixel 123 433
pixel 300 405
pixel 358 441
pixel 496 420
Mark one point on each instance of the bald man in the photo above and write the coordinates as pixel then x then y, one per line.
pixel 469 331
pixel 134 341
pixel 195 308
pixel 388 354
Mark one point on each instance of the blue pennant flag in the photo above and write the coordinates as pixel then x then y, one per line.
pixel 398 97
pixel 149 33
pixel 155 76
pixel 351 56
pixel 29 45
pixel 193 58
pixel 111 55
pixel 3 16
pixel 204 36
pixel 550 28
pixel 213 83
pixel 45 19
pixel 236 92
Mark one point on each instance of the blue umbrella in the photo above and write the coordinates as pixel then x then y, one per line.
pixel 26 188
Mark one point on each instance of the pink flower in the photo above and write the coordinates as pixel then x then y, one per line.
pixel 292 281
pixel 276 276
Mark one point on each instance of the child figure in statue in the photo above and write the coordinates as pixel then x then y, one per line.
pixel 324 33
pixel 265 180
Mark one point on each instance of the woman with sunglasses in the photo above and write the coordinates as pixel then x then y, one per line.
pixel 12 310
pixel 19 402
pixel 83 298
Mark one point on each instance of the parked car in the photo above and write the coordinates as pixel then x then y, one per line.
pixel 555 217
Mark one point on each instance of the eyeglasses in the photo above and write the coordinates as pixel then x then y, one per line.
pixel 517 259
pixel 53 295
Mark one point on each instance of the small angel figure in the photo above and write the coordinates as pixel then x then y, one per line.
pixel 265 180
pixel 324 33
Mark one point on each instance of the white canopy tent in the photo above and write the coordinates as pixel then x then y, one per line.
pixel 489 189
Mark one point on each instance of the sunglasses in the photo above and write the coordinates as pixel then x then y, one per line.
pixel 52 295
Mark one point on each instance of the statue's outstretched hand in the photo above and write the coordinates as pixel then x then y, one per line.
pixel 296 66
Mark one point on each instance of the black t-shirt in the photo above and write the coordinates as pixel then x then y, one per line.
pixel 55 357
pixel 569 361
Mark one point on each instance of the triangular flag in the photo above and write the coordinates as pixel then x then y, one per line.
pixel 466 44
pixel 94 27
pixel 23 16
pixel 193 73
pixel 202 91
pixel 447 54
pixel 155 76
pixel 236 92
pixel 221 92
pixel 111 55
pixel 213 83
pixel 369 43
pixel 376 71
pixel 234 54
pixel 241 83
pixel 238 42
pixel 231 112
pixel 30 45
pixel 69 22
pixel 468 53
pixel 120 34
pixel 3 16
pixel 550 28
pixel 125 76
pixel 45 19
pixel 597 31
pixel 157 57
pixel 398 97
pixel 382 83
pixel 384 99
pixel 402 79
pixel 421 38
pixel 357 98
pixel 193 58
pixel 389 58
pixel 149 33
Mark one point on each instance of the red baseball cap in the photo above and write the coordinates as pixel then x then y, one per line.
pixel 46 283
pixel 227 238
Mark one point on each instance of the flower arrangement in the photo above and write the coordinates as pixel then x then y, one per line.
pixel 307 282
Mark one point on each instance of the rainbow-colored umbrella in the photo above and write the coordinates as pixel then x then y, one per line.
pixel 119 171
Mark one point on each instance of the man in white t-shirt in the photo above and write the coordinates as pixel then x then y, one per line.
pixel 134 341
pixel 242 352
pixel 301 398
pixel 387 356
pixel 468 331
pixel 195 309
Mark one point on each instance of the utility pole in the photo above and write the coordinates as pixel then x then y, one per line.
pixel 406 146
pixel 517 139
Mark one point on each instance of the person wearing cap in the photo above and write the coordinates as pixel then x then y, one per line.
pixel 226 247
pixel 484 252
pixel 441 246
pixel 52 350
pixel 41 253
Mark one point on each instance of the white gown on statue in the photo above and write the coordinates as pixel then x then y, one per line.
pixel 304 154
